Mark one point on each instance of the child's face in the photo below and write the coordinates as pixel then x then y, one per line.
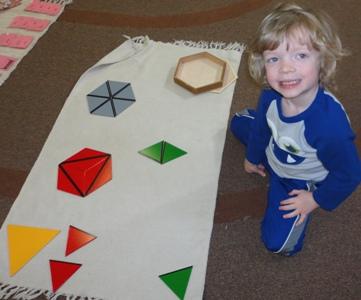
pixel 293 70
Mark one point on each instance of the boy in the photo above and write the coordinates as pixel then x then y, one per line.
pixel 300 132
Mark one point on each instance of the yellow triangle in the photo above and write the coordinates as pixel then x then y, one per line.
pixel 25 242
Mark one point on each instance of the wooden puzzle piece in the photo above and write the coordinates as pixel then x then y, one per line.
pixel 200 72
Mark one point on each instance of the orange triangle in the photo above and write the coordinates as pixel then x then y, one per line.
pixel 77 238
pixel 61 271
pixel 25 242
pixel 104 176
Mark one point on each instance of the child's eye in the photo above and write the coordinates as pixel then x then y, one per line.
pixel 271 60
pixel 301 56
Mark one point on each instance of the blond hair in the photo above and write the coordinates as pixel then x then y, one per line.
pixel 315 28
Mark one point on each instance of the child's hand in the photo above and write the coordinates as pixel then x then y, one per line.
pixel 252 168
pixel 302 204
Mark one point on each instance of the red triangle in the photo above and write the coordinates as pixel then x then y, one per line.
pixel 84 172
pixel 61 271
pixel 104 176
pixel 85 153
pixel 65 184
pixel 77 238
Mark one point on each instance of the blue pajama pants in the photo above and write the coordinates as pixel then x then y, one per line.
pixel 279 235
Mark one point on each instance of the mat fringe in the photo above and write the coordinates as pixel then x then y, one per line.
pixel 8 291
pixel 211 45
pixel 200 44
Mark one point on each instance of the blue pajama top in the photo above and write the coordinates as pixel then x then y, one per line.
pixel 316 146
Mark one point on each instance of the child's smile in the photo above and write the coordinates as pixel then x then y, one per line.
pixel 289 84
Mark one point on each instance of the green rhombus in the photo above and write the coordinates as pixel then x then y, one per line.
pixel 162 152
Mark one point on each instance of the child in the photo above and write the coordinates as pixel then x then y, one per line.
pixel 300 132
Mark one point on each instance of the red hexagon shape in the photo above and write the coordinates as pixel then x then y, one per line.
pixel 84 172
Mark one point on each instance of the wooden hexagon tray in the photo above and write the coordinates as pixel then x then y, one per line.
pixel 200 72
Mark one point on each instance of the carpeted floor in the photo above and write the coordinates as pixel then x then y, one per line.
pixel 238 266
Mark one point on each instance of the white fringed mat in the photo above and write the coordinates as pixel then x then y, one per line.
pixel 150 219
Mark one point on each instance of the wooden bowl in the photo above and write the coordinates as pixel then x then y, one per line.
pixel 200 72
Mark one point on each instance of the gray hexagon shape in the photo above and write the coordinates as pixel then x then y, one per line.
pixel 110 98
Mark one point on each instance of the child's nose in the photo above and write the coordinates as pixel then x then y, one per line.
pixel 287 66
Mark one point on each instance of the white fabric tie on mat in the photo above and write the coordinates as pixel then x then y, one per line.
pixel 150 219
pixel 6 16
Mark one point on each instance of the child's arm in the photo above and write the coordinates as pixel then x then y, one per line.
pixel 343 164
pixel 340 158
pixel 260 133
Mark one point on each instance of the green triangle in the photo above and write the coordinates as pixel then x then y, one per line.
pixel 162 152
pixel 177 281
pixel 171 152
pixel 153 152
